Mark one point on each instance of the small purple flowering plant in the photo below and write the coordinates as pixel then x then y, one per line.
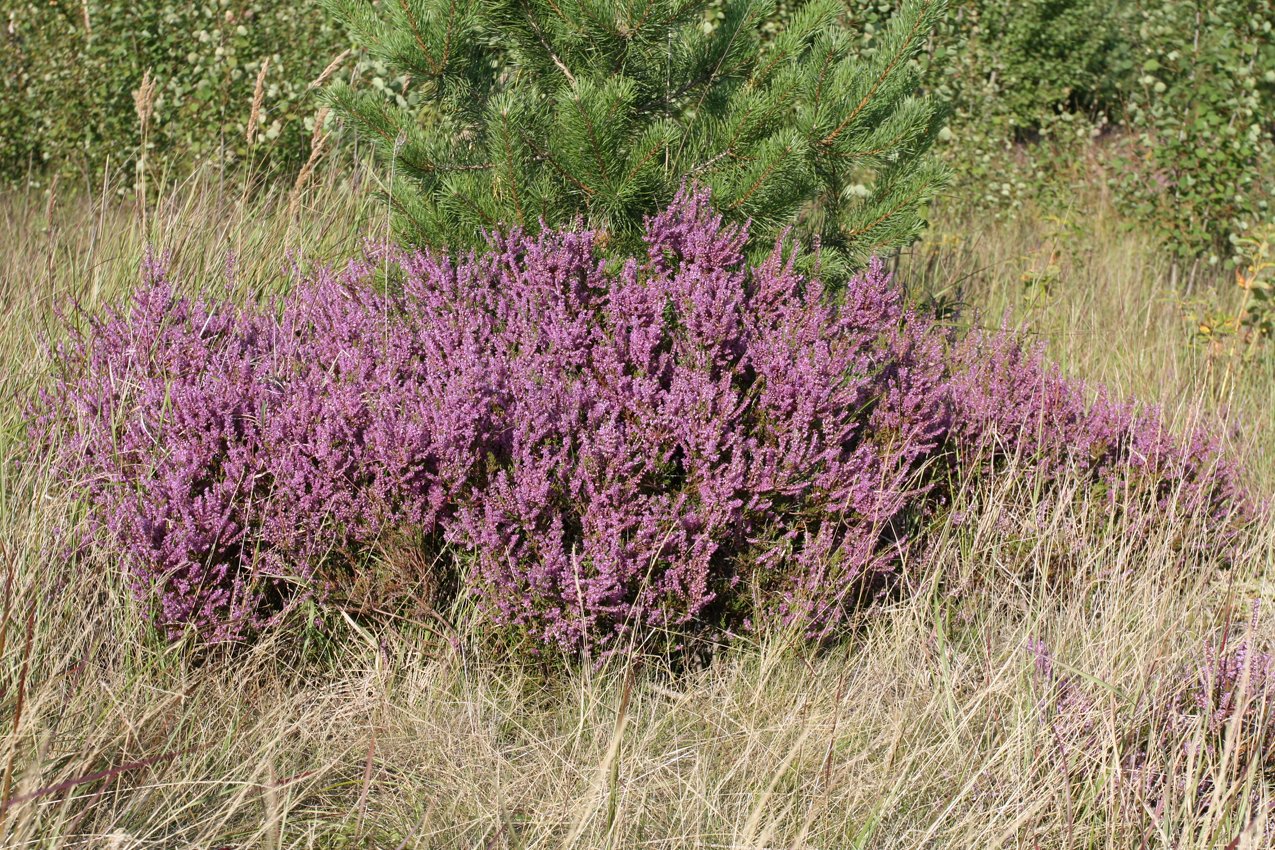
pixel 1194 727
pixel 680 441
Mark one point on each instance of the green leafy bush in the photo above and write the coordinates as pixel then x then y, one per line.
pixel 1196 112
pixel 1172 98
pixel 71 67
pixel 1017 65
pixel 1028 82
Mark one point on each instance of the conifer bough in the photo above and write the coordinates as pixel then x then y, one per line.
pixel 549 110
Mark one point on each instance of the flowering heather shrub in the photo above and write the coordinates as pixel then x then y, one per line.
pixel 1011 403
pixel 683 442
pixel 228 451
pixel 1226 698
pixel 1210 721
pixel 690 433
pixel 1225 716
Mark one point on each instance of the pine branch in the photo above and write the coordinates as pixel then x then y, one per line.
pixel 598 156
pixel 535 28
pixel 510 174
pixel 828 59
pixel 709 75
pixel 601 109
pixel 766 172
pixel 562 171
pixel 416 32
pixel 651 153
pixel 447 38
pixel 907 46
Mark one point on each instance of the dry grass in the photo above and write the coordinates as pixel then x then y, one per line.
pixel 925 729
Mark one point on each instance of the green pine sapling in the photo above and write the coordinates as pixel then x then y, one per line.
pixel 549 110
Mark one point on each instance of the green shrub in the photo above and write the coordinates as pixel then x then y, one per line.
pixel 1037 86
pixel 1196 111
pixel 71 67
pixel 1028 82
pixel 1016 65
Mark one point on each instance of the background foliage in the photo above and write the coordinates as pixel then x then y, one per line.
pixel 1171 99
pixel 1199 113
pixel 66 102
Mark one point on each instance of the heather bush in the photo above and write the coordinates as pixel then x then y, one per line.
pixel 228 451
pixel 692 437
pixel 1199 726
pixel 685 443
pixel 1012 404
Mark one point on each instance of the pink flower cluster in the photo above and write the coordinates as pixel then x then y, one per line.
pixel 681 441
pixel 227 452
